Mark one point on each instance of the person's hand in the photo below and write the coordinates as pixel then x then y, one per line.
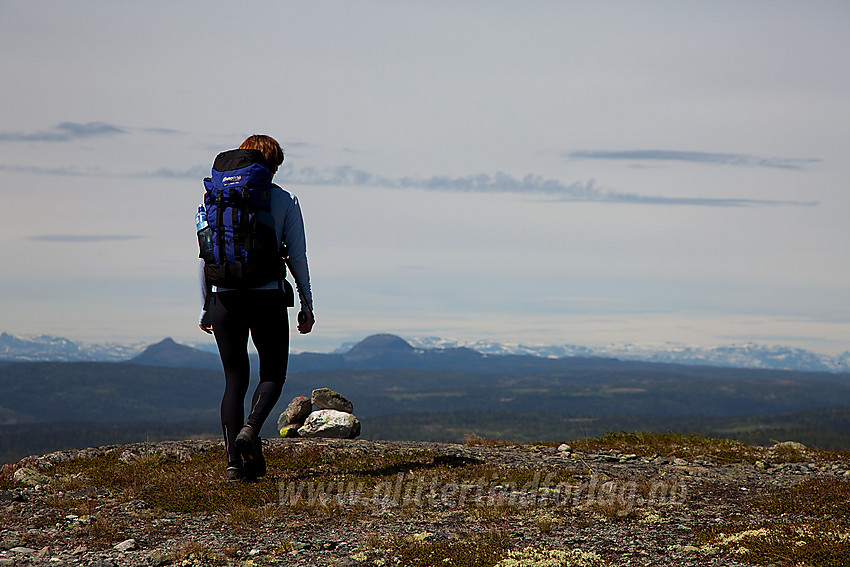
pixel 305 322
pixel 204 323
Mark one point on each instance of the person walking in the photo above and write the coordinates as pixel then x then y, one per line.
pixel 233 311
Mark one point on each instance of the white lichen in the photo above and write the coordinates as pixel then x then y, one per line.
pixel 531 557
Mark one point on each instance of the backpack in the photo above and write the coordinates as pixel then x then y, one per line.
pixel 245 251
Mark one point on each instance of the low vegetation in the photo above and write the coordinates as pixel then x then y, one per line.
pixel 807 523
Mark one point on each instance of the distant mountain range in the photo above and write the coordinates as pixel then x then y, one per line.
pixel 49 348
pixel 385 351
pixel 407 391
pixel 747 355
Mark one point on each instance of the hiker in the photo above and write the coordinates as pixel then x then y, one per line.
pixel 251 297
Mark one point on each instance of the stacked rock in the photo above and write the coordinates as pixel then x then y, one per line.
pixel 293 416
pixel 332 418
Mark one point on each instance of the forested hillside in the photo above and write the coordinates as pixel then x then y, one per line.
pixel 53 405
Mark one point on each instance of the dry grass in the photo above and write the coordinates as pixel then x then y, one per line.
pixel 195 553
pixel 472 440
pixel 810 525
pixel 817 497
pixel 671 445
pixel 470 550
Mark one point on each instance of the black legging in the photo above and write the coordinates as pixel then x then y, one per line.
pixel 233 314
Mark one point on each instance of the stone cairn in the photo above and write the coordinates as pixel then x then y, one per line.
pixel 332 418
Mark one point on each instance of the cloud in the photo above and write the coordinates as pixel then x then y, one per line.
pixel 83 237
pixel 196 172
pixel 504 183
pixel 58 171
pixel 745 160
pixel 64 132
pixel 346 175
pixel 161 131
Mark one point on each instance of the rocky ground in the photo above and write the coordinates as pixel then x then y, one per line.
pixel 620 500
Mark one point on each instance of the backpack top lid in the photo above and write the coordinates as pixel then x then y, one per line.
pixel 240 168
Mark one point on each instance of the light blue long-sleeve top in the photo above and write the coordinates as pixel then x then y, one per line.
pixel 289 226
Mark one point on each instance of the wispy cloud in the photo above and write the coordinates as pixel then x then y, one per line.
pixel 587 191
pixel 478 183
pixel 161 131
pixel 347 176
pixel 83 237
pixel 195 172
pixel 58 171
pixel 744 160
pixel 63 132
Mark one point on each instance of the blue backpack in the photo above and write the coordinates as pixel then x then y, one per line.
pixel 245 250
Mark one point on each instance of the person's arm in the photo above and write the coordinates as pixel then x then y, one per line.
pixel 203 318
pixel 296 243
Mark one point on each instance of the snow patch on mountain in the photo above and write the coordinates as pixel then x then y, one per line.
pixel 46 347
pixel 746 355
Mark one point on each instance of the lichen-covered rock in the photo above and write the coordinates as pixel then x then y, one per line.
pixel 295 413
pixel 289 431
pixel 325 398
pixel 788 446
pixel 30 477
pixel 330 423
pixel 183 453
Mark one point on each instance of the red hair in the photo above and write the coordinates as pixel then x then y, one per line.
pixel 267 145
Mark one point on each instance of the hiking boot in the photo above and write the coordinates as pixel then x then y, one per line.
pixel 250 448
pixel 234 474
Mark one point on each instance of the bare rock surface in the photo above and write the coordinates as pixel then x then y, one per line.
pixel 605 507
pixel 295 413
pixel 325 398
pixel 330 423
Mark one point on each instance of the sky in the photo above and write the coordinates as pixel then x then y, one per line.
pixel 538 172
